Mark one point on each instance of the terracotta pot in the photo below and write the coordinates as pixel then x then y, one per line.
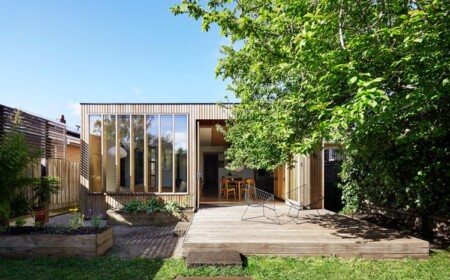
pixel 40 215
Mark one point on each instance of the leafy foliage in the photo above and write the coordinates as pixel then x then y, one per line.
pixel 133 207
pixel 43 190
pixel 153 206
pixel 97 221
pixel 76 221
pixel 15 158
pixel 371 75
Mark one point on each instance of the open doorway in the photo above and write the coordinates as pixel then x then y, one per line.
pixel 211 175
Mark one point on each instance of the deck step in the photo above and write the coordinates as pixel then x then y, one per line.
pixel 220 258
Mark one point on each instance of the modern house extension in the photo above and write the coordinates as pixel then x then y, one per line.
pixel 173 151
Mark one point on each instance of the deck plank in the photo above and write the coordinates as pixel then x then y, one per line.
pixel 221 228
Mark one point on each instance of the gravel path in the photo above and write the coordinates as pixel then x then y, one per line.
pixel 139 241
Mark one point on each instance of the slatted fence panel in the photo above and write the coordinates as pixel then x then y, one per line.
pixel 69 173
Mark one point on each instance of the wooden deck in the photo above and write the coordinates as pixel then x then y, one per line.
pixel 221 228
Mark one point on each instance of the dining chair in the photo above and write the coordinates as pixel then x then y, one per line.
pixel 225 188
pixel 246 183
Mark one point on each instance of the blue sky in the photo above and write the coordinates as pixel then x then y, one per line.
pixel 56 54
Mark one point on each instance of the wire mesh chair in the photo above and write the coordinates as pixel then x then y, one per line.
pixel 255 197
pixel 300 199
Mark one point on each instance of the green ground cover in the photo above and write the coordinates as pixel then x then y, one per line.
pixel 437 267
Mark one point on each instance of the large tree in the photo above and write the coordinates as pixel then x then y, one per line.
pixel 372 75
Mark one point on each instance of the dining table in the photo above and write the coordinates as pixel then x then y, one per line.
pixel 238 184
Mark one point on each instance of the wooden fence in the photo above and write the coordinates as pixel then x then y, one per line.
pixel 69 173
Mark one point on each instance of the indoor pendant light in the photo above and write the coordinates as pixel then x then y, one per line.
pixel 112 151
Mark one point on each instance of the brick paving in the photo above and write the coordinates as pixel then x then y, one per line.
pixel 146 241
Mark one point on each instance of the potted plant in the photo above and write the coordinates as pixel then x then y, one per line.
pixel 43 190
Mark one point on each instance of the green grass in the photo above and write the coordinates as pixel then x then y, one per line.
pixel 437 267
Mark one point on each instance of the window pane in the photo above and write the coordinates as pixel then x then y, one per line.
pixel 95 153
pixel 167 152
pixel 109 129
pixel 181 146
pixel 123 123
pixel 138 143
pixel 153 154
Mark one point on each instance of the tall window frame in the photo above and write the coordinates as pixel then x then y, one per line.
pixel 174 161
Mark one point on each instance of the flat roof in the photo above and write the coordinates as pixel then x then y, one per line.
pixel 186 103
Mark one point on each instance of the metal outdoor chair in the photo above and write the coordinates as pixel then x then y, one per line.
pixel 255 197
pixel 300 199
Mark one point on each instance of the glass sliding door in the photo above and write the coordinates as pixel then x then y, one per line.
pixel 152 124
pixel 166 138
pixel 180 143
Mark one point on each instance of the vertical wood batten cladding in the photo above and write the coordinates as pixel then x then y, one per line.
pixel 317 181
pixel 194 112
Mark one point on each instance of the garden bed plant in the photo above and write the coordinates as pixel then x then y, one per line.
pixel 151 212
pixel 74 226
pixel 72 239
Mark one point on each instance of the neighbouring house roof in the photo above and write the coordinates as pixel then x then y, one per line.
pixel 47 135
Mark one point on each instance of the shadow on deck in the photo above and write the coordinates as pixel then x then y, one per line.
pixel 220 228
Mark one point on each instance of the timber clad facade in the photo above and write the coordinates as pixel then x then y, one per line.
pixel 136 151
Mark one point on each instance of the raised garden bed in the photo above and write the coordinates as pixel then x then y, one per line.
pixel 118 217
pixel 55 242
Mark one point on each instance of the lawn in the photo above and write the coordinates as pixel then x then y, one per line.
pixel 437 267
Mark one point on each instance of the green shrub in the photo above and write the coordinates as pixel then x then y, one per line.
pixel 172 207
pixel 20 222
pixel 133 207
pixel 15 159
pixel 153 206
pixel 96 221
pixel 20 205
pixel 76 221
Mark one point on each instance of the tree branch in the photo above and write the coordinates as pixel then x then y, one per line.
pixel 341 37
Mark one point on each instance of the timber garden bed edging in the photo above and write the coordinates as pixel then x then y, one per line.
pixel 69 244
pixel 119 217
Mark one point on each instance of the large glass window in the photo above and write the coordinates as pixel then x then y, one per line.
pixel 166 137
pixel 109 138
pixel 95 153
pixel 123 127
pixel 141 153
pixel 153 152
pixel 138 152
pixel 180 143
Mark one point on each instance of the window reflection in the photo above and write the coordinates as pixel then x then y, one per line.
pixel 153 153
pixel 166 137
pixel 141 153
pixel 109 130
pixel 123 127
pixel 180 153
pixel 95 153
pixel 138 152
